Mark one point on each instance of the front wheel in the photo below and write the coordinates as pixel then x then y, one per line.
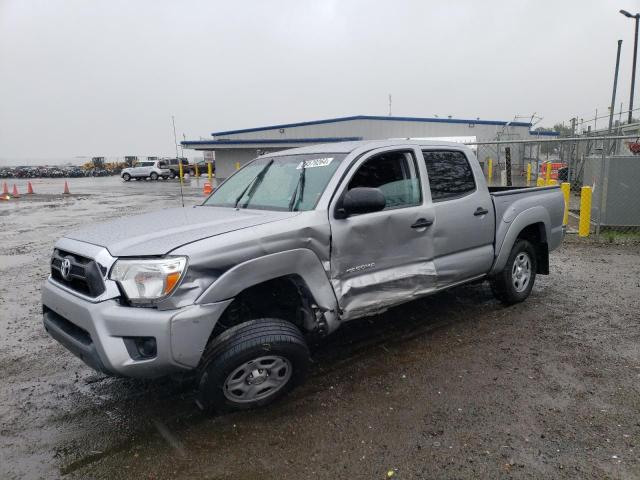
pixel 126 177
pixel 251 365
pixel 515 282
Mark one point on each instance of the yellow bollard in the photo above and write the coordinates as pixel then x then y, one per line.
pixel 197 173
pixel 209 170
pixel 552 182
pixel 180 170
pixel 528 173
pixel 540 182
pixel 237 165
pixel 566 188
pixel 490 169
pixel 548 174
pixel 585 212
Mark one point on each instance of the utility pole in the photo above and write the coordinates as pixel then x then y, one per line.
pixel 390 100
pixel 605 150
pixel 635 57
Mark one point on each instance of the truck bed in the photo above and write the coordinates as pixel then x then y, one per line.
pixel 509 202
pixel 511 190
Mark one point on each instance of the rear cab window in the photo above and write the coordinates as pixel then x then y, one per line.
pixel 450 174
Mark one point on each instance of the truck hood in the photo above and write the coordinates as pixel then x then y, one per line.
pixel 158 233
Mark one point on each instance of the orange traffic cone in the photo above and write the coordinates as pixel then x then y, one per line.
pixel 5 189
pixel 207 189
pixel 15 193
pixel 66 188
pixel 29 188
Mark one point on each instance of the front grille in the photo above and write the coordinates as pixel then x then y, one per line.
pixel 84 275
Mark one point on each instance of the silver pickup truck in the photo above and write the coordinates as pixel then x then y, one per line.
pixel 291 246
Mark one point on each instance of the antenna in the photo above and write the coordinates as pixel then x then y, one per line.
pixel 390 101
pixel 175 141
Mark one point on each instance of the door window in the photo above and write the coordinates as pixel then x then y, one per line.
pixel 450 174
pixel 395 174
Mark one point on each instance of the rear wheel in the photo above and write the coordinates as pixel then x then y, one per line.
pixel 154 176
pixel 251 365
pixel 126 177
pixel 515 282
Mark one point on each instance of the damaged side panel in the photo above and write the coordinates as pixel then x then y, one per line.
pixel 372 293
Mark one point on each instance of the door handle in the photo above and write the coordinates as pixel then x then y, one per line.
pixel 422 223
pixel 481 211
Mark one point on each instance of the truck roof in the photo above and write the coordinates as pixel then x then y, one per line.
pixel 348 147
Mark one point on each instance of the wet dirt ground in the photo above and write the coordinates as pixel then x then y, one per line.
pixel 452 386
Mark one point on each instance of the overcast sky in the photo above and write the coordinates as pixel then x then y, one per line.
pixel 104 77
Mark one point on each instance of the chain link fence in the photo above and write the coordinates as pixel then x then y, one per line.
pixel 608 209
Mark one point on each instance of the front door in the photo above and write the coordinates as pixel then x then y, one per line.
pixel 383 258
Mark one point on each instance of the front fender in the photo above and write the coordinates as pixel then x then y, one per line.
pixel 301 262
pixel 509 233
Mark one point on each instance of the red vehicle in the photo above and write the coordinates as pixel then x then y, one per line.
pixel 555 166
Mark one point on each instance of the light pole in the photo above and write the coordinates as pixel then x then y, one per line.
pixel 635 56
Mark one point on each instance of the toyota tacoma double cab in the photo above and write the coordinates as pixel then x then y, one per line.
pixel 290 247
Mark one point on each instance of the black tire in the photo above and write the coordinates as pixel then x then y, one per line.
pixel 238 346
pixel 153 176
pixel 126 177
pixel 504 286
pixel 173 175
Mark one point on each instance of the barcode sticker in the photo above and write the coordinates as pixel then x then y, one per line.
pixel 317 162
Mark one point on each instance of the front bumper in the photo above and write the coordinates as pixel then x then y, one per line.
pixel 95 332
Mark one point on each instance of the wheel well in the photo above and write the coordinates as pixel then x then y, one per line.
pixel 285 298
pixel 536 234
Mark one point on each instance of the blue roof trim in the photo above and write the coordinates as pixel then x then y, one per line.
pixel 275 141
pixel 372 117
pixel 544 134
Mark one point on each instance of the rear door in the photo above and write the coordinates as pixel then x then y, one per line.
pixel 383 258
pixel 464 229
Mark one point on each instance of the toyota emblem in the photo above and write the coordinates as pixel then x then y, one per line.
pixel 65 269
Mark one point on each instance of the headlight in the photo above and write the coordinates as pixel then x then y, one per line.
pixel 144 281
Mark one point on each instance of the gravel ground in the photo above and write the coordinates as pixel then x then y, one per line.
pixel 452 386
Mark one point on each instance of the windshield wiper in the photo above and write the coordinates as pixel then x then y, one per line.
pixel 253 184
pixel 295 198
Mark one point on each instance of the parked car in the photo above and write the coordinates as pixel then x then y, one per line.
pixel 152 169
pixel 291 246
pixel 174 165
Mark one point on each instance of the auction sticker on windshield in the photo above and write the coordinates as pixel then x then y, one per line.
pixel 317 162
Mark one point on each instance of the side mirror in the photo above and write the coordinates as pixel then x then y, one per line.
pixel 362 200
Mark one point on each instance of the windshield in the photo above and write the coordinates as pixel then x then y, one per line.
pixel 293 182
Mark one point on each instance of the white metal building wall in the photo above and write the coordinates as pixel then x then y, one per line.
pixel 380 129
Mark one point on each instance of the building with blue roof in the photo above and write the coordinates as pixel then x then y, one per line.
pixel 233 148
